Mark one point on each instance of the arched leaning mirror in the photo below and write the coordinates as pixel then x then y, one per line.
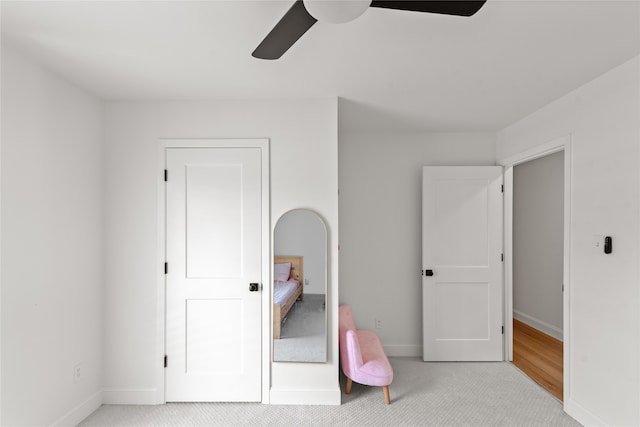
pixel 300 288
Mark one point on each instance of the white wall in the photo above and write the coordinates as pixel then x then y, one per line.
pixel 380 178
pixel 604 322
pixel 301 232
pixel 51 246
pixel 303 148
pixel 538 230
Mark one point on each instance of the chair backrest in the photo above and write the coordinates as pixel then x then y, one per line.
pixel 350 354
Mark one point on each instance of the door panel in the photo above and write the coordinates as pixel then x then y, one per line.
pixel 462 245
pixel 207 342
pixel 462 222
pixel 459 314
pixel 214 251
pixel 214 220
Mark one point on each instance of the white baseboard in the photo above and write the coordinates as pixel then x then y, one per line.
pixel 145 396
pixel 305 397
pixel 581 415
pixel 80 412
pixel 403 350
pixel 539 325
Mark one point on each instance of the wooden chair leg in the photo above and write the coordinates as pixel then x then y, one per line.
pixel 387 397
pixel 349 384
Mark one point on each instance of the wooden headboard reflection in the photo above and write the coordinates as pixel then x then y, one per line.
pixel 297 267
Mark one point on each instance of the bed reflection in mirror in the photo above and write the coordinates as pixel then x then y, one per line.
pixel 300 288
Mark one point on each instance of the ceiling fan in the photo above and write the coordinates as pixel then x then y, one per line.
pixel 304 13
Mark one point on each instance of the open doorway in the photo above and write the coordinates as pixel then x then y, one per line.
pixel 561 144
pixel 537 270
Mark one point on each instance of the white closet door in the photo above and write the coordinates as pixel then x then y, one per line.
pixel 462 261
pixel 214 253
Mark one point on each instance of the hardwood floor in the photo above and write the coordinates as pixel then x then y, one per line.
pixel 539 356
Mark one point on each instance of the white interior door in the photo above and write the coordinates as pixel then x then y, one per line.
pixel 462 261
pixel 213 220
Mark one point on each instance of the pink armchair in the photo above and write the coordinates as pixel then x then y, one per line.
pixel 362 357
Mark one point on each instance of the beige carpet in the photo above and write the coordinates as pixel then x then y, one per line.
pixel 423 394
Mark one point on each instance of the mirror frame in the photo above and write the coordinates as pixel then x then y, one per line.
pixel 325 283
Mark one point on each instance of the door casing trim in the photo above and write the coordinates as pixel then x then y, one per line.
pixel 559 144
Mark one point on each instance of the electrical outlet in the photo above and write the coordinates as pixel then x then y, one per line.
pixel 306 282
pixel 378 323
pixel 77 373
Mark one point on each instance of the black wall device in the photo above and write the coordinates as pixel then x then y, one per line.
pixel 608 245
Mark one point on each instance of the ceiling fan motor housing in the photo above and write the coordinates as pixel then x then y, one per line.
pixel 336 12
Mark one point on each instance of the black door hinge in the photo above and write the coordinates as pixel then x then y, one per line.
pixel 502 334
pixel 502 257
pixel 502 187
pixel 166 268
pixel 166 175
pixel 165 360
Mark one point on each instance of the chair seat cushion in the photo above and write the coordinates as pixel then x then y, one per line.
pixel 376 369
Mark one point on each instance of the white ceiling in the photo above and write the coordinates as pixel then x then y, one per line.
pixel 394 70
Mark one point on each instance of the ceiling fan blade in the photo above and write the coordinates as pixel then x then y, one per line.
pixel 287 31
pixel 452 7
